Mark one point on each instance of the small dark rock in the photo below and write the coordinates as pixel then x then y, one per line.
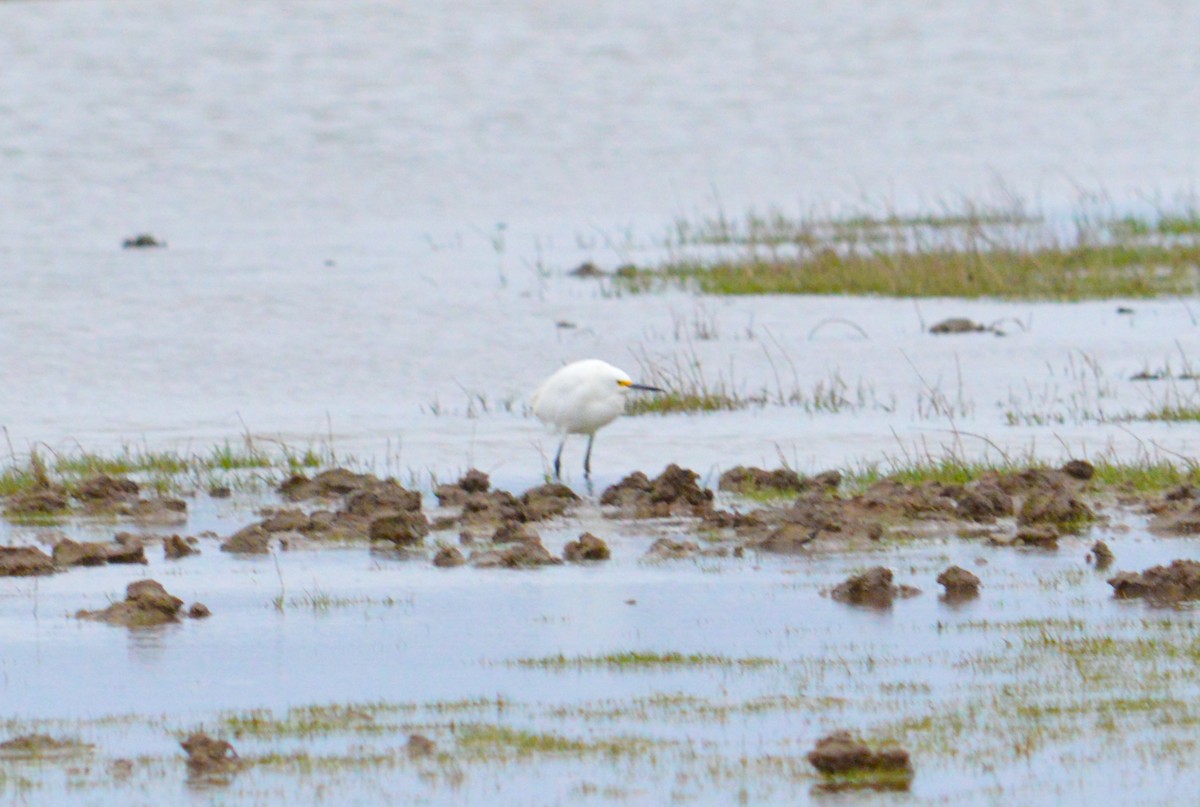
pixel 142 241
pixel 146 604
pixel 74 553
pixel 199 611
pixel 1044 537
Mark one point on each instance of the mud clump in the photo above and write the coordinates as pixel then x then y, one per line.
pixel 1079 469
pixel 127 548
pixel 175 547
pixel 43 500
pixel 523 555
pixel 548 501
pixel 514 532
pixel 1040 536
pixel 448 557
pixel 24 561
pixel 251 540
pixel 667 549
pixel 401 529
pixel 983 501
pixel 746 480
pixel 841 756
pixel 1101 555
pixel 674 492
pixel 873 587
pixel 473 481
pixel 956 325
pixel 330 484
pixel 107 490
pixel 959 584
pixel 207 757
pixel 419 746
pixel 1160 585
pixel 146 604
pixel 587 547
pixel 1056 507
pixel 290 520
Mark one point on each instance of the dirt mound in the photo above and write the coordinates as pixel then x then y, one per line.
pixel 1101 555
pixel 330 484
pixel 127 548
pixel 405 528
pixel 448 557
pixel 251 540
pixel 287 520
pixel 39 501
pixel 746 480
pixel 873 587
pixel 518 556
pixel 376 498
pixel 419 745
pixel 146 604
pixel 1161 585
pixel 175 547
pixel 1079 469
pixel 628 492
pixel 492 507
pixel 956 325
pixel 514 532
pixel 587 547
pixel 1055 506
pixel 959 584
pixel 667 549
pixel 473 481
pixel 982 501
pixel 24 561
pixel 547 501
pixel 842 755
pixel 107 490
pixel 149 511
pixel 674 492
pixel 1041 536
pixel 207 757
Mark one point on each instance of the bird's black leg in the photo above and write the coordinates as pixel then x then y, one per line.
pixel 558 460
pixel 587 458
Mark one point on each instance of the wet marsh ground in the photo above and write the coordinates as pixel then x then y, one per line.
pixel 245 242
pixel 636 680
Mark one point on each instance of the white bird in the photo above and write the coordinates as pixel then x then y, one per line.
pixel 582 398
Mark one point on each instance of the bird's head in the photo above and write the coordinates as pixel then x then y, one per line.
pixel 626 384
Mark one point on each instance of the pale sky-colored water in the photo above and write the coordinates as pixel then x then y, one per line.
pixel 369 207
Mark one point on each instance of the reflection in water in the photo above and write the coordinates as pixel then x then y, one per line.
pixel 146 646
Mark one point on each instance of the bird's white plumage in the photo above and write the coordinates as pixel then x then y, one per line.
pixel 581 397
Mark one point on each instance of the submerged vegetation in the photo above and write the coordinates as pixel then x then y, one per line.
pixel 1004 252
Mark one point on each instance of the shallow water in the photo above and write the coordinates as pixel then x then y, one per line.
pixel 422 649
pixel 370 208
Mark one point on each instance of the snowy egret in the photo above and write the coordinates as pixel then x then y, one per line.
pixel 581 398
